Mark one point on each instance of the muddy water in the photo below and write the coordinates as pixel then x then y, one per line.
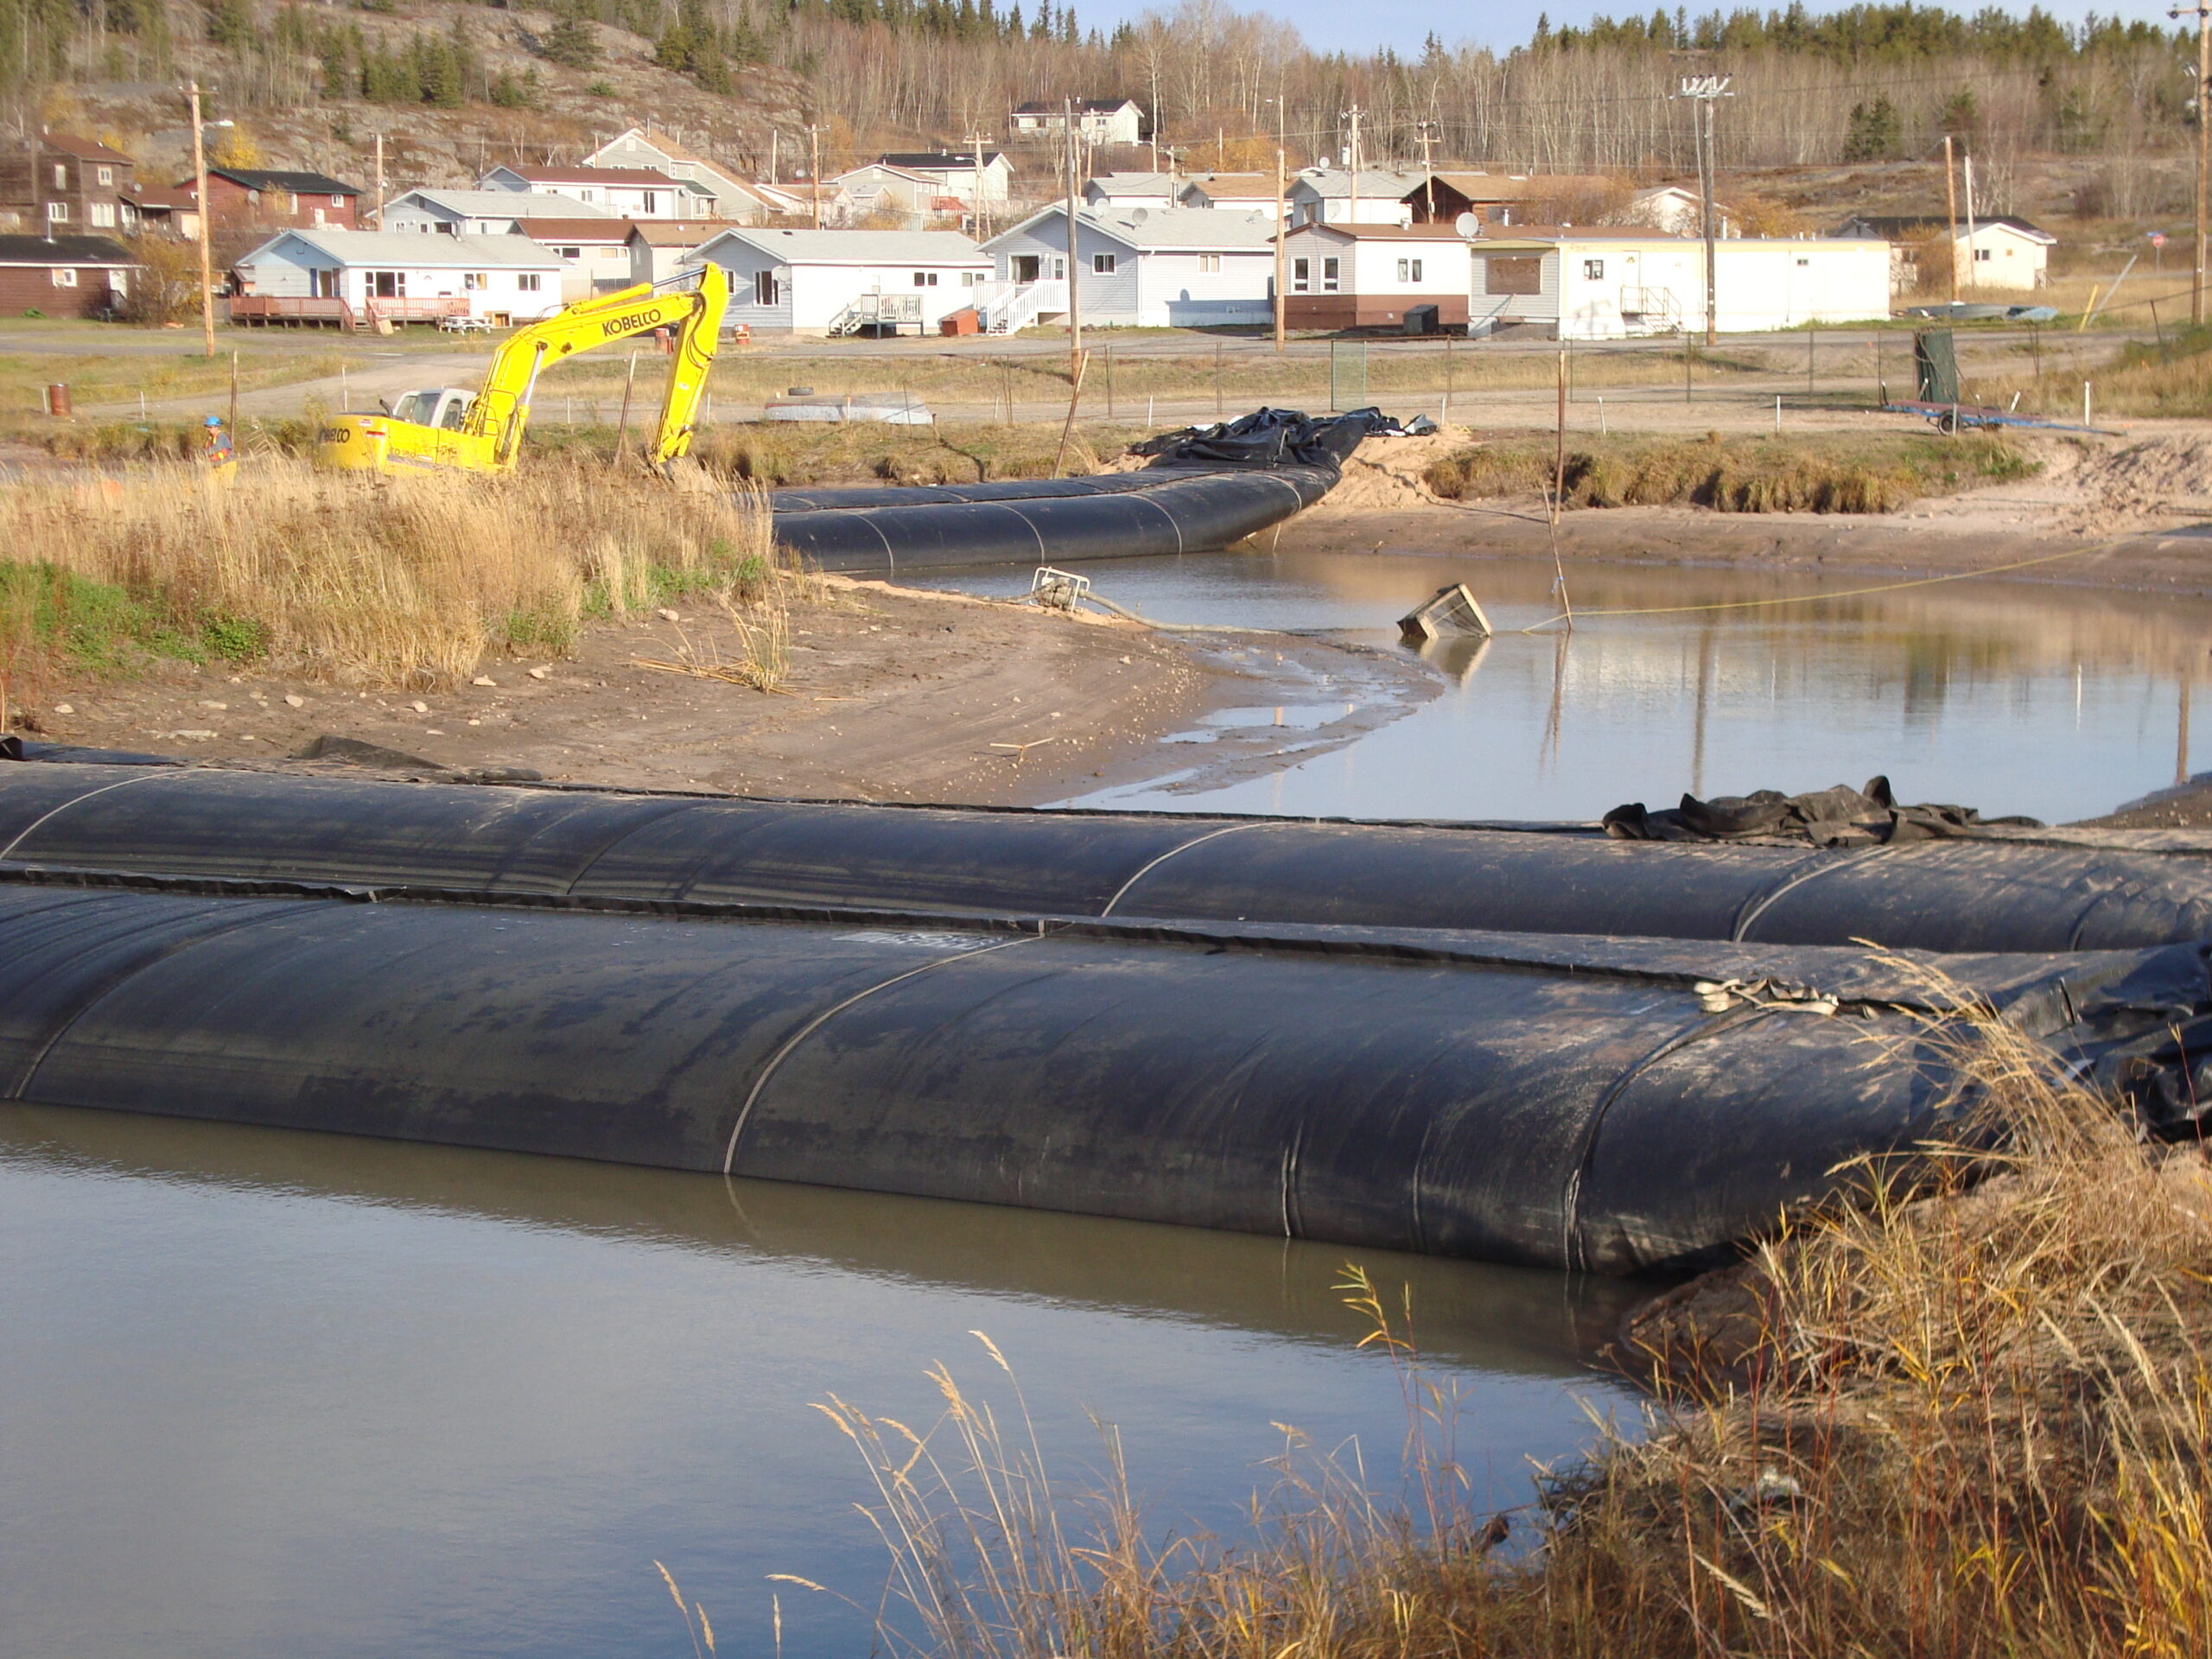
pixel 2055 701
pixel 272 1393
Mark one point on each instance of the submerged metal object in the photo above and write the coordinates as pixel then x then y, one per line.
pixel 2010 894
pixel 1570 1103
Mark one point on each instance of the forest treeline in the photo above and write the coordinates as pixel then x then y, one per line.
pixel 1864 83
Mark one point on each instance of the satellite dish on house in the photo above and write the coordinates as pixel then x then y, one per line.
pixel 1468 224
pixel 1140 216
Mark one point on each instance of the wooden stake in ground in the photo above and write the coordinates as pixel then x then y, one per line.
pixel 1559 439
pixel 1951 216
pixel 1279 301
pixel 200 198
pixel 622 435
pixel 1075 313
pixel 1067 427
pixel 234 395
pixel 2203 10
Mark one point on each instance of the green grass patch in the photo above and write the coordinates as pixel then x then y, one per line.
pixel 53 615
pixel 1846 473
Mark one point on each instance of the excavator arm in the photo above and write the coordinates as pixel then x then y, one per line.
pixel 489 438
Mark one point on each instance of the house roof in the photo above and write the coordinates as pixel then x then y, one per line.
pixel 937 161
pixel 90 150
pixel 1167 230
pixel 1518 187
pixel 1083 107
pixel 859 247
pixel 1232 184
pixel 647 176
pixel 1532 239
pixel 1110 185
pixel 63 251
pixel 1380 183
pixel 501 204
pixel 677 233
pixel 575 230
pixel 1431 232
pixel 153 197
pixel 408 248
pixel 1893 227
pixel 299 184
pixel 675 152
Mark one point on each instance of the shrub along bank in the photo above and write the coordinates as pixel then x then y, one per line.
pixel 1848 473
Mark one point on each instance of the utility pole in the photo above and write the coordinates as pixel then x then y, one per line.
pixel 982 227
pixel 1951 216
pixel 814 169
pixel 1352 115
pixel 1075 312
pixel 380 213
pixel 1280 262
pixel 1705 91
pixel 1973 276
pixel 207 227
pixel 2204 11
pixel 1427 132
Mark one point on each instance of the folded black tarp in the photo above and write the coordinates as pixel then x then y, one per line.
pixel 1586 1103
pixel 1205 490
pixel 1940 895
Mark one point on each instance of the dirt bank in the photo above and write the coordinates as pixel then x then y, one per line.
pixel 891 693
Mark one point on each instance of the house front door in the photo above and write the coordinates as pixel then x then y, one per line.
pixel 1025 267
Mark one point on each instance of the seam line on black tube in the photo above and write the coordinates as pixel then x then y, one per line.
pixel 1571 1249
pixel 1774 895
pixel 40 823
pixel 1122 892
pixel 775 1060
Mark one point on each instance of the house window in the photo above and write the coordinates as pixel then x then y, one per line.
pixel 475 282
pixel 1409 271
pixel 387 284
pixel 1301 276
pixel 65 277
pixel 1804 262
pixel 338 202
pixel 926 279
pixel 581 195
pixel 1979 253
pixel 1103 264
pixel 1059 271
pixel 967 279
pixel 104 215
pixel 61 177
pixel 652 198
pixel 58 212
pixel 107 175
pixel 1593 270
pixel 1331 269
pixel 528 281
pixel 325 284
pixel 1513 275
pixel 569 253
pixel 614 253
pixel 1209 262
pixel 764 288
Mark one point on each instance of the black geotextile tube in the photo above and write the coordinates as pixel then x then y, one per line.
pixel 1573 1103
pixel 1976 894
pixel 1163 510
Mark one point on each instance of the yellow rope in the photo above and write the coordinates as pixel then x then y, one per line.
pixel 1845 592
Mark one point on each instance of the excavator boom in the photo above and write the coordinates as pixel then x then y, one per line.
pixel 489 437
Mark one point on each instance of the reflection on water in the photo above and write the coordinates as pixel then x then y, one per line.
pixel 272 1392
pixel 2057 702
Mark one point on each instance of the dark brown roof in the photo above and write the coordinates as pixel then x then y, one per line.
pixel 594 175
pixel 573 229
pixel 63 251
pixel 1429 232
pixel 678 233
pixel 90 149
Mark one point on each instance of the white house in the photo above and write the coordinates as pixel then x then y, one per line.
pixel 1098 120
pixel 1606 284
pixel 1370 275
pixel 367 275
pixel 629 192
pixel 659 248
pixel 846 282
pixel 1327 194
pixel 1677 212
pixel 725 193
pixel 1163 267
pixel 1233 192
pixel 2008 253
pixel 877 189
pixel 596 252
pixel 481 212
pixel 1124 191
pixel 954 174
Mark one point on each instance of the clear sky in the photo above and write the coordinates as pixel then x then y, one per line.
pixel 1335 25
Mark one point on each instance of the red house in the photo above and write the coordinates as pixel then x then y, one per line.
pixel 255 195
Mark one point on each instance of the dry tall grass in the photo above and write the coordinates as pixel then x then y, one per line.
pixel 1971 1425
pixel 409 580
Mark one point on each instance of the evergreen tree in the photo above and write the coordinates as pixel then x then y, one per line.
pixel 1873 132
pixel 572 41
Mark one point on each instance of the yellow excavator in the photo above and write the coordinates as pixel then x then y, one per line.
pixel 442 426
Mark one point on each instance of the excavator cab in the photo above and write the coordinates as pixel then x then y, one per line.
pixel 481 431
